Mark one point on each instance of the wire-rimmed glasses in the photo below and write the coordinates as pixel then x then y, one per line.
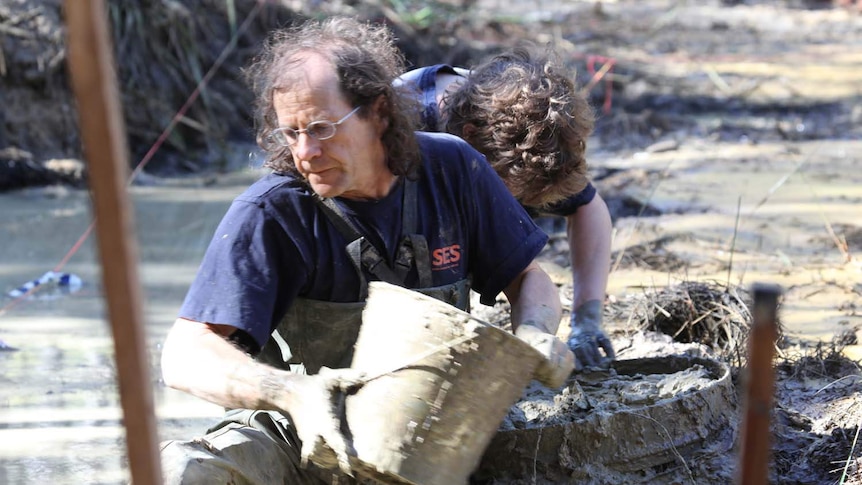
pixel 319 130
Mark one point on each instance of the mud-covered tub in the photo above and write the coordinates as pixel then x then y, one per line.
pixel 640 419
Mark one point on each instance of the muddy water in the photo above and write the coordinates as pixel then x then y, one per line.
pixel 60 420
pixel 59 414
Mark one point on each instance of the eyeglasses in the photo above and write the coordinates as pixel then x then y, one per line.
pixel 319 130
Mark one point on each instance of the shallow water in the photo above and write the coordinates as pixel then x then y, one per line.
pixel 60 418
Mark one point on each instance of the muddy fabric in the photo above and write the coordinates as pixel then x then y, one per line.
pixel 314 334
pixel 317 334
pixel 247 448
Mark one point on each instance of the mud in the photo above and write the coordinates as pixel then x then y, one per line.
pixel 606 392
pixel 672 408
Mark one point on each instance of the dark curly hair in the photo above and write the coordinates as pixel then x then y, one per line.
pixel 366 61
pixel 529 121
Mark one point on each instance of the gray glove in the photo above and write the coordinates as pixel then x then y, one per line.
pixel 317 419
pixel 587 336
pixel 559 361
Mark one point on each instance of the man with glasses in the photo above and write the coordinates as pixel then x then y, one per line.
pixel 319 130
pixel 268 325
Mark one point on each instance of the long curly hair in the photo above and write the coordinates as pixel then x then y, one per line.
pixel 366 61
pixel 526 116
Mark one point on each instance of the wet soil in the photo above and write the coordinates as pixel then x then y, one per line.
pixel 675 416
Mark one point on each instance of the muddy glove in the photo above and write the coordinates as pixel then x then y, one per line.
pixel 559 361
pixel 317 417
pixel 587 336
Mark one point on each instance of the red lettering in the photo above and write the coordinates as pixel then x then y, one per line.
pixel 437 259
pixel 456 253
pixel 446 256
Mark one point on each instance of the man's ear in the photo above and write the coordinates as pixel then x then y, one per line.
pixel 380 110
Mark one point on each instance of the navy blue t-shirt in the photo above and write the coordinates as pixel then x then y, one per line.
pixel 275 244
pixel 422 82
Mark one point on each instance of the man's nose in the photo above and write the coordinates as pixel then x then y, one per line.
pixel 306 147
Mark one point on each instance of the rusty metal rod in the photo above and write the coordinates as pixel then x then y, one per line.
pixel 103 135
pixel 759 387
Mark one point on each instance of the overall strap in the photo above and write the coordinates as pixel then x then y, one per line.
pixel 361 251
pixel 413 249
pixel 420 255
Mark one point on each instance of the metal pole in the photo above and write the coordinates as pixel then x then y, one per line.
pixel 759 390
pixel 103 136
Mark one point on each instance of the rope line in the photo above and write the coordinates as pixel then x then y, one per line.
pixel 27 289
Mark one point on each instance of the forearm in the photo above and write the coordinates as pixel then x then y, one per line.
pixel 534 300
pixel 589 231
pixel 536 316
pixel 589 234
pixel 197 360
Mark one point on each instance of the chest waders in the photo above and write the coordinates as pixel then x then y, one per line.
pixel 317 333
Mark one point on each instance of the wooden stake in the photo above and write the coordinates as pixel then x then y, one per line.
pixel 760 386
pixel 104 140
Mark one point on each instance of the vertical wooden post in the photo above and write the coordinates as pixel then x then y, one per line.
pixel 759 388
pixel 104 140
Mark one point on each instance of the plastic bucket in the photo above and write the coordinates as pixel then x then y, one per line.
pixel 441 382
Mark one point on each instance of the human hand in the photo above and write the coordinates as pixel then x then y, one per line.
pixel 317 415
pixel 559 361
pixel 587 336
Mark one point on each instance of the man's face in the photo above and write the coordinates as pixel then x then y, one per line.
pixel 351 164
